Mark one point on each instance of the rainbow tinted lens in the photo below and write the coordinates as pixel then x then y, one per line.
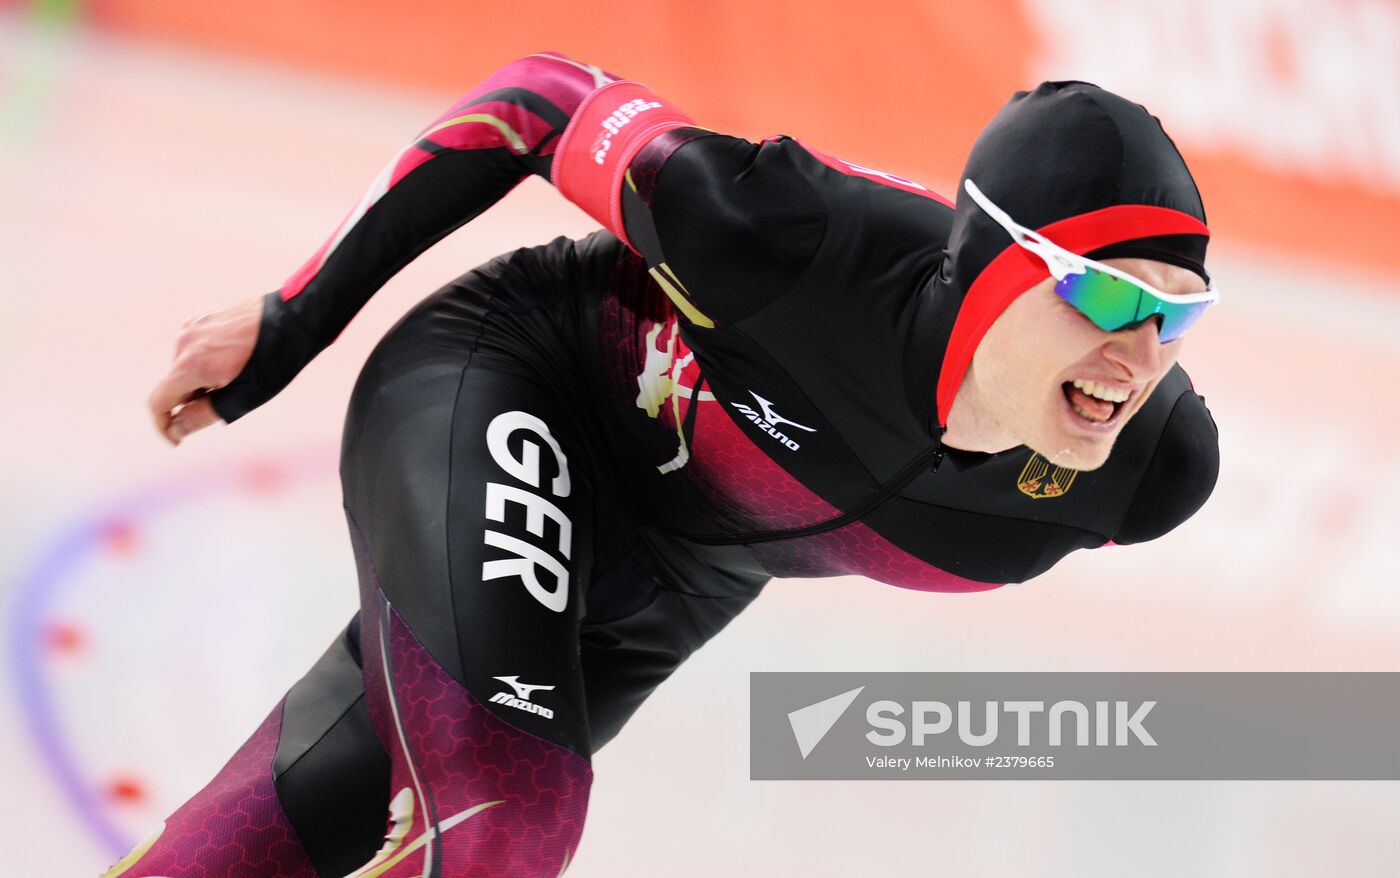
pixel 1113 303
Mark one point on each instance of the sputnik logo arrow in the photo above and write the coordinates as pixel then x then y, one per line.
pixel 811 723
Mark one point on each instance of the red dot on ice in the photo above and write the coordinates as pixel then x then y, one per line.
pixel 65 638
pixel 120 537
pixel 126 790
pixel 265 478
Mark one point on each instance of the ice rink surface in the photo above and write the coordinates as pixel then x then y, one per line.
pixel 158 601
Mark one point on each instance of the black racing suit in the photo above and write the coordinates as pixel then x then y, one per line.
pixel 569 468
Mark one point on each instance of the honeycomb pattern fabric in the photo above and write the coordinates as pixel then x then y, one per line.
pixel 504 802
pixel 233 828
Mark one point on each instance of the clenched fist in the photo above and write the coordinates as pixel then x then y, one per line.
pixel 211 350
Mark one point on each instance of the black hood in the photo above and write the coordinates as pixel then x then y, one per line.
pixel 1092 171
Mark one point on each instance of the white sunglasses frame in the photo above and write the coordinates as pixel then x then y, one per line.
pixel 1063 263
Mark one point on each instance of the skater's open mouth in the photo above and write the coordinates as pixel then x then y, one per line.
pixel 1094 402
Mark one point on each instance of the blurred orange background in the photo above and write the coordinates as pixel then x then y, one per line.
pixel 1307 161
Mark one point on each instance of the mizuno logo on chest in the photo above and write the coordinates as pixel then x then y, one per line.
pixel 769 420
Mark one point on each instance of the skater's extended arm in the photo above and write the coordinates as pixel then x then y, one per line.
pixel 603 141
pixel 724 229
pixel 460 164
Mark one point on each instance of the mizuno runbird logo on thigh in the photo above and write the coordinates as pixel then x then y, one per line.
pixel 521 699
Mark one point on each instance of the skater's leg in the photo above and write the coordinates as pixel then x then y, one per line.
pixel 331 773
pixel 469 506
pixel 302 798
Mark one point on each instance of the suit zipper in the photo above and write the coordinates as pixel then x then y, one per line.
pixel 927 460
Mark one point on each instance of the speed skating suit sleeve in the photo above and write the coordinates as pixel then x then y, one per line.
pixel 603 142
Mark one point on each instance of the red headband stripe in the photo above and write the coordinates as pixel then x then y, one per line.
pixel 1016 270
